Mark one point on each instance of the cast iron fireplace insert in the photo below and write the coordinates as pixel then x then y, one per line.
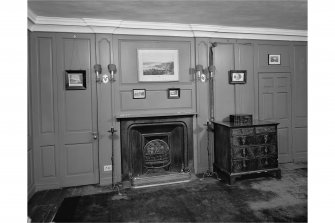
pixel 156 144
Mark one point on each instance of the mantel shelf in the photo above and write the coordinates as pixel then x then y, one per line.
pixel 124 116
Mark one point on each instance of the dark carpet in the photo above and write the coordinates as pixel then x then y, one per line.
pixel 250 200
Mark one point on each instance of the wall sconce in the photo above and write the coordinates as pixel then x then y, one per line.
pixel 198 71
pixel 112 70
pixel 201 74
pixel 105 78
pixel 98 71
pixel 211 70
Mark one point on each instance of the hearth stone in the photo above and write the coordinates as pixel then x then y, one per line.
pixel 149 180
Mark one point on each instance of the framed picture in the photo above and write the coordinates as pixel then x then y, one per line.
pixel 157 65
pixel 237 76
pixel 174 93
pixel 139 93
pixel 75 79
pixel 274 59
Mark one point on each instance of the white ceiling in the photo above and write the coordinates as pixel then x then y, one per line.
pixel 279 14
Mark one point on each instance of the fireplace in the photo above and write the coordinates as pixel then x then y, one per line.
pixel 152 146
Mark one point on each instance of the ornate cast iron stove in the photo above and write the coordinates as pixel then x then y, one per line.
pixel 156 154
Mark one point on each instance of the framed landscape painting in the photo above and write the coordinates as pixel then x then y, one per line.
pixel 75 79
pixel 158 65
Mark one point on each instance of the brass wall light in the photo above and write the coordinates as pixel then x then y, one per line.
pixel 105 78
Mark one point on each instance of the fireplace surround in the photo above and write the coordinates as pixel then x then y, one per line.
pixel 154 145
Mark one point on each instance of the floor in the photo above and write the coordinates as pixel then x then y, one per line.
pixel 43 206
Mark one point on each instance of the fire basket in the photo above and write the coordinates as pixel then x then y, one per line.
pixel 156 154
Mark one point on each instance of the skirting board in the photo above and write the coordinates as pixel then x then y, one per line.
pixel 31 191
pixel 107 181
pixel 39 187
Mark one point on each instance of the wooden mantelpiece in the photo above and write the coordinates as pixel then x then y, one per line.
pixel 175 131
pixel 132 116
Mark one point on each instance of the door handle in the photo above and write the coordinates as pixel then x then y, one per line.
pixel 95 135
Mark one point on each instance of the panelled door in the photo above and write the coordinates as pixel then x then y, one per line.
pixel 275 105
pixel 77 111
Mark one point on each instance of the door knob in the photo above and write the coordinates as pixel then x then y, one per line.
pixel 95 135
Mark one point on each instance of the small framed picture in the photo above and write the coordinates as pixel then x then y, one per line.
pixel 274 59
pixel 75 79
pixel 173 93
pixel 237 76
pixel 139 93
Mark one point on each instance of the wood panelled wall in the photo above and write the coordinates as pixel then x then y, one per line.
pixel 44 111
pixel 30 162
pixel 299 101
pixel 156 101
pixel 272 92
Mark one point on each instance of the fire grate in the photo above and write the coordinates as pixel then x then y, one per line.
pixel 156 154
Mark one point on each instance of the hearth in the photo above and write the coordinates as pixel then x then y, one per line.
pixel 156 146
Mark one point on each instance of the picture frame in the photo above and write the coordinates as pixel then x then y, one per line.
pixel 75 79
pixel 237 76
pixel 139 93
pixel 173 93
pixel 158 65
pixel 274 59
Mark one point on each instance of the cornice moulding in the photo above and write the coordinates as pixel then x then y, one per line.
pixel 31 16
pixel 88 25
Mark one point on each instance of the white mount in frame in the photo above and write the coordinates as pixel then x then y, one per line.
pixel 158 65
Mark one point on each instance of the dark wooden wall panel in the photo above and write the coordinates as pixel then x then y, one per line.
pixel 300 144
pixel 48 161
pixel 156 101
pixel 44 110
pixel 202 52
pixel 106 114
pixel 104 50
pixel 300 101
pixel 77 111
pixel 115 99
pixel 224 60
pixel 30 161
pixel 274 48
pixel 85 154
pixel 78 120
pixel 245 93
pixel 46 85
pixel 228 99
pixel 30 173
pixel 275 105
pixel 129 63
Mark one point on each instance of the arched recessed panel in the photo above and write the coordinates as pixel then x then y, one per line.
pixel 104 52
